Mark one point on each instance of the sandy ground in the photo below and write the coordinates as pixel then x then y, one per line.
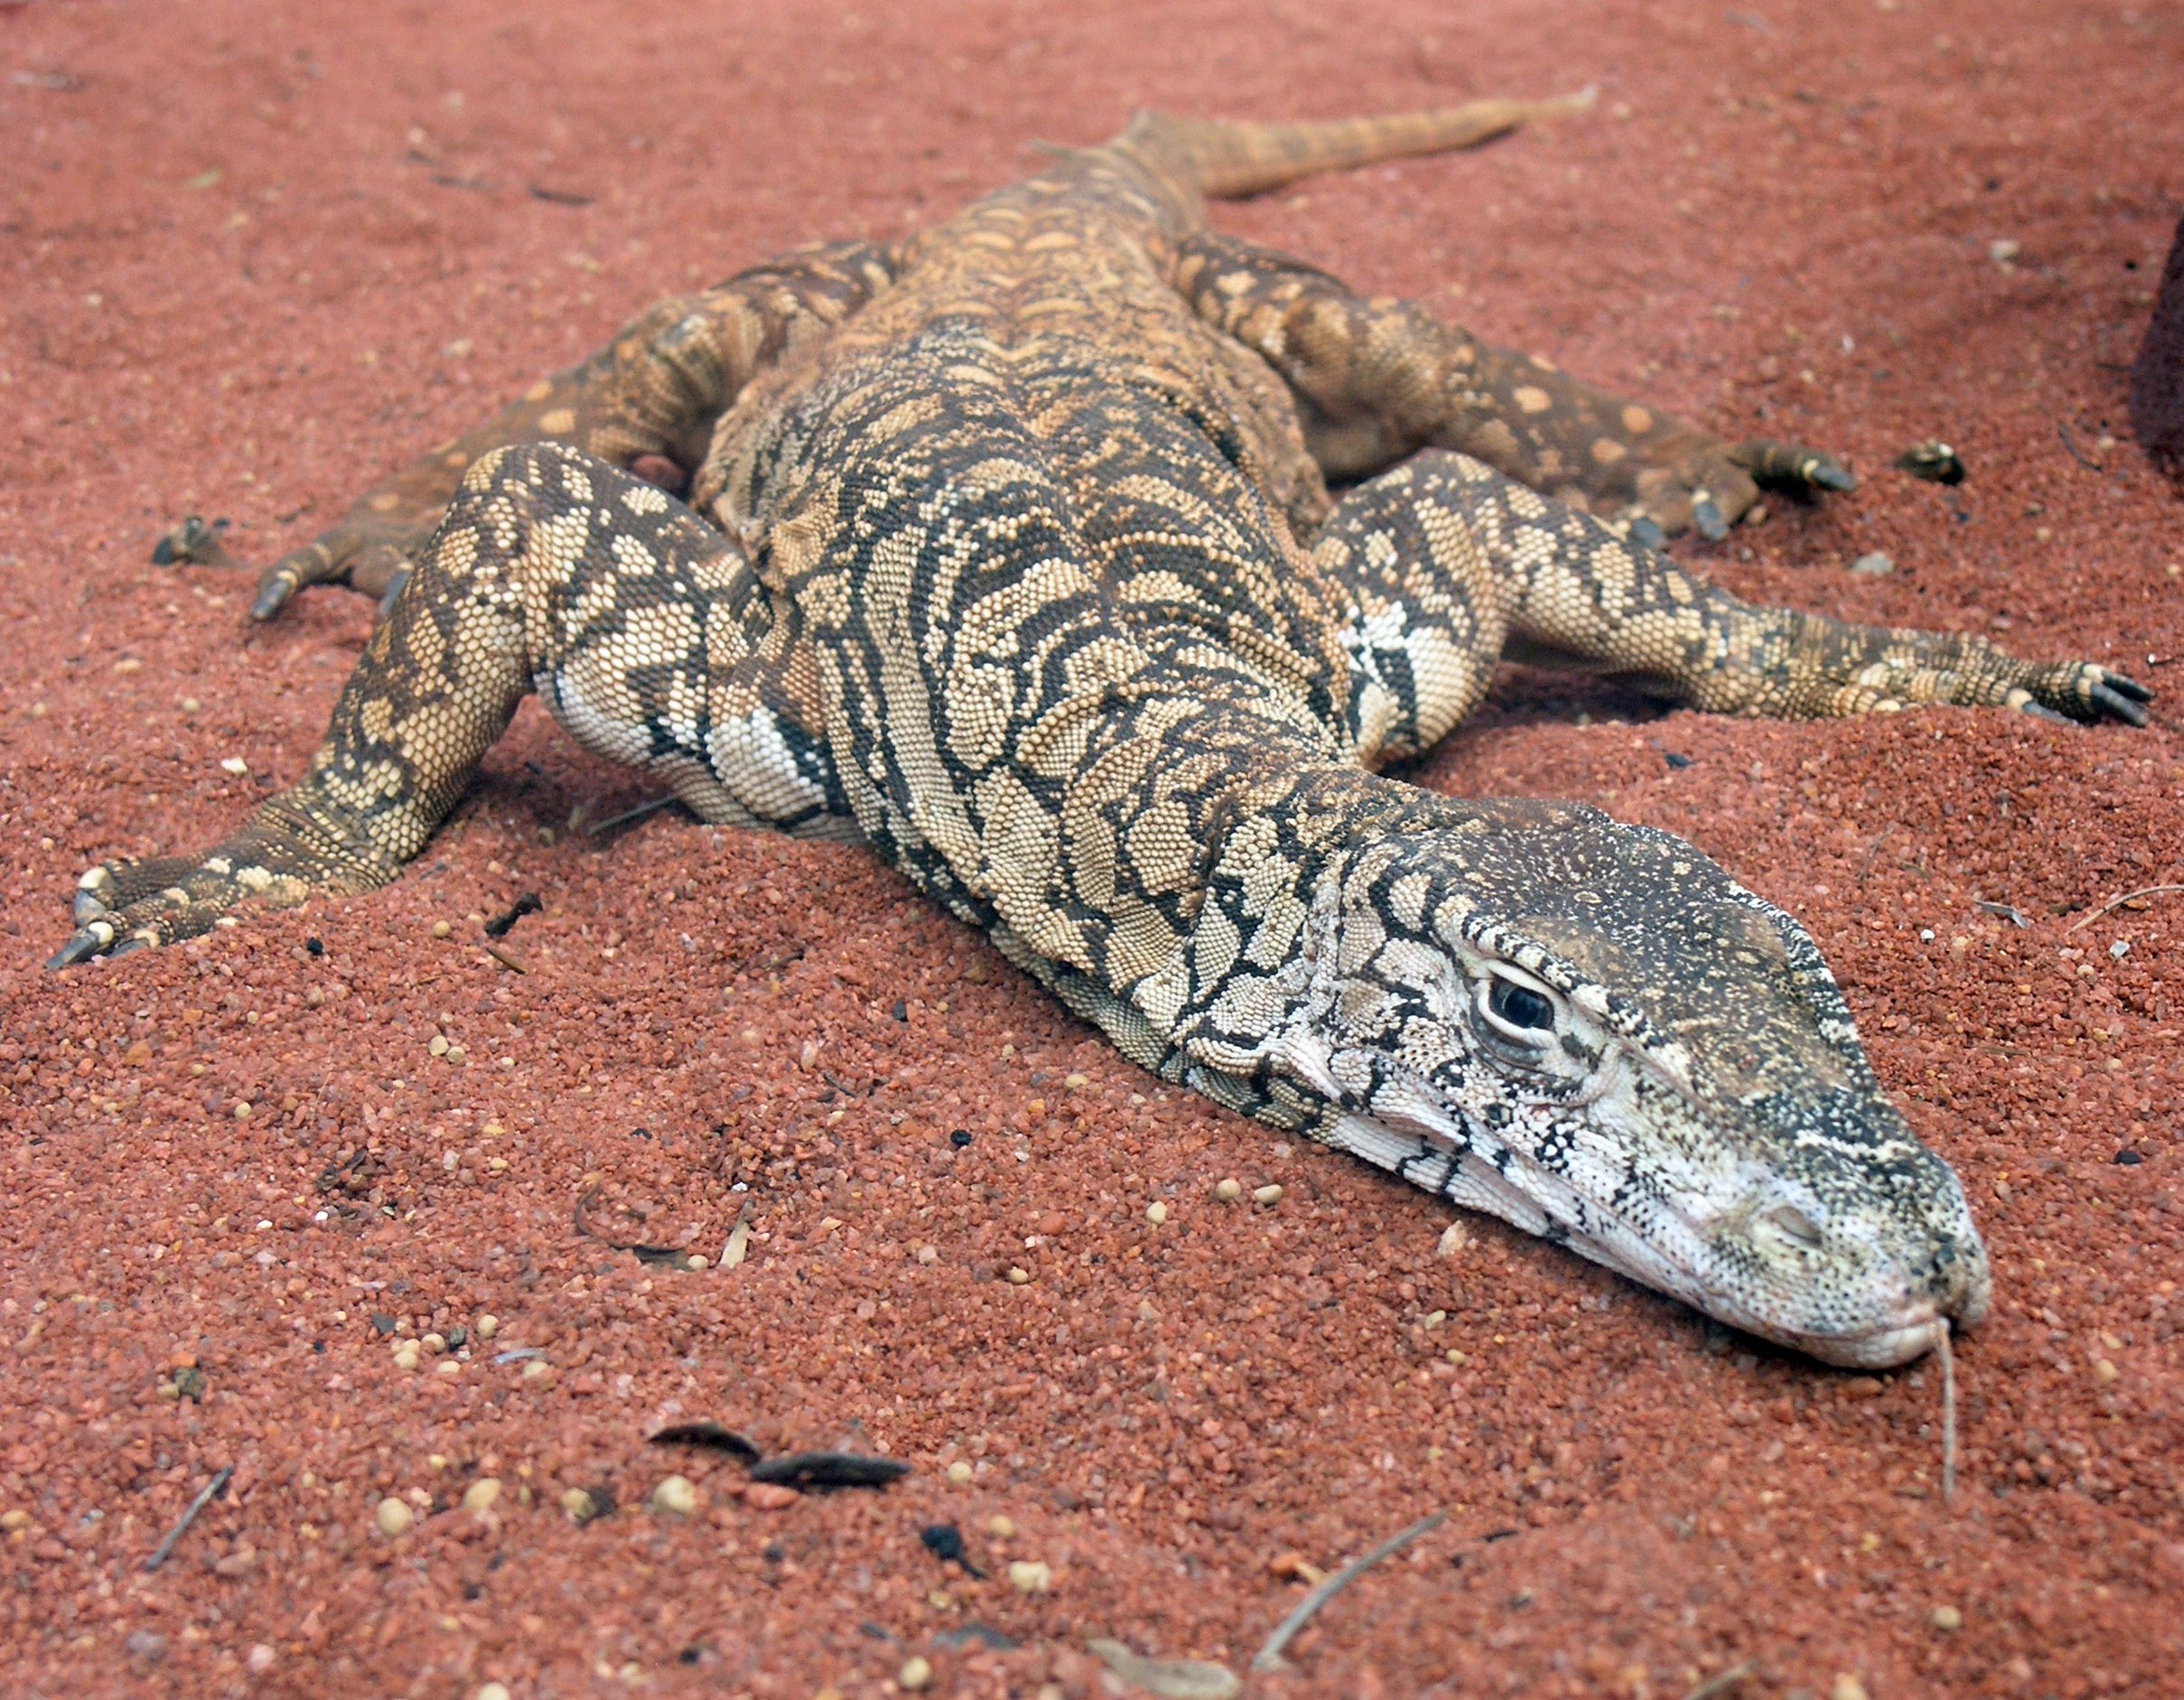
pixel 255 255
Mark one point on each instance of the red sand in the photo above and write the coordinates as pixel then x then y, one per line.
pixel 255 255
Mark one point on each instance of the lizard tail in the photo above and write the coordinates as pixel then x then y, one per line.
pixel 1225 162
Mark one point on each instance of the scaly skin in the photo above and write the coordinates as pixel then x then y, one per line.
pixel 1011 552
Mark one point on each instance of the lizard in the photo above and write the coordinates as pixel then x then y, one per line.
pixel 1088 565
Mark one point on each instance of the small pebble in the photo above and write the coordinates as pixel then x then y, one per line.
pixel 1266 1195
pixel 1847 1688
pixel 578 1504
pixel 435 1343
pixel 1949 1619
pixel 1156 1212
pixel 1873 566
pixel 916 1672
pixel 242 1111
pixel 2000 251
pixel 769 1496
pixel 491 1691
pixel 483 1494
pixel 959 1473
pixel 1230 1191
pixel 395 1517
pixel 1000 1527
pixel 2105 1373
pixel 260 1659
pixel 1029 1576
pixel 1018 1275
pixel 440 930
pixel 696 1261
pixel 1075 1082
pixel 488 1326
pixel 675 1496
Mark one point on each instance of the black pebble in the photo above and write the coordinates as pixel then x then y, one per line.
pixel 960 1138
pixel 382 1324
pixel 945 1542
pixel 901 1010
pixel 314 947
pixel 1673 760
pixel 2129 1159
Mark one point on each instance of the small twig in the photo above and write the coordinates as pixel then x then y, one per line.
pixel 1269 1656
pixel 212 1491
pixel 847 1091
pixel 2063 431
pixel 1723 1683
pixel 2006 910
pixel 1874 850
pixel 525 904
pixel 502 957
pixel 2116 903
pixel 629 814
pixel 1948 1413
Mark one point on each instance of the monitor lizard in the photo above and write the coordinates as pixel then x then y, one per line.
pixel 1012 550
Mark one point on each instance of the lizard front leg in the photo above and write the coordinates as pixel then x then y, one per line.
pixel 648 635
pixel 646 403
pixel 1377 379
pixel 1574 588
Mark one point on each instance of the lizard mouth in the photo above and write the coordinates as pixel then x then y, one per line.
pixel 1883 1348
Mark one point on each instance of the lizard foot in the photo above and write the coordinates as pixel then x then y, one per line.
pixel 278 858
pixel 1983 677
pixel 1716 484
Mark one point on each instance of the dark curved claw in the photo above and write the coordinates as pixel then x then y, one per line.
pixel 274 590
pixel 1772 463
pixel 2040 711
pixel 1708 518
pixel 85 944
pixel 1646 533
pixel 393 589
pixel 87 909
pixel 133 942
pixel 2109 698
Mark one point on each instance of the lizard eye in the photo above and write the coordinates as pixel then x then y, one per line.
pixel 1520 1006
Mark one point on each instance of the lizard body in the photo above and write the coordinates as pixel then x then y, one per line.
pixel 1012 551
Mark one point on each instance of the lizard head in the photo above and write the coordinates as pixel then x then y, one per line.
pixel 1589 1030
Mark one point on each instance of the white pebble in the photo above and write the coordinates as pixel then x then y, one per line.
pixel 1230 1191
pixel 959 1473
pixel 676 1496
pixel 1156 1212
pixel 393 1517
pixel 488 1326
pixel 483 1494
pixel 1029 1576
pixel 916 1673
pixel 1266 1195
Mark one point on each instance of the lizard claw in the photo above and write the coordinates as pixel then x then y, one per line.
pixel 1708 519
pixel 1646 533
pixel 2124 698
pixel 82 946
pixel 2040 711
